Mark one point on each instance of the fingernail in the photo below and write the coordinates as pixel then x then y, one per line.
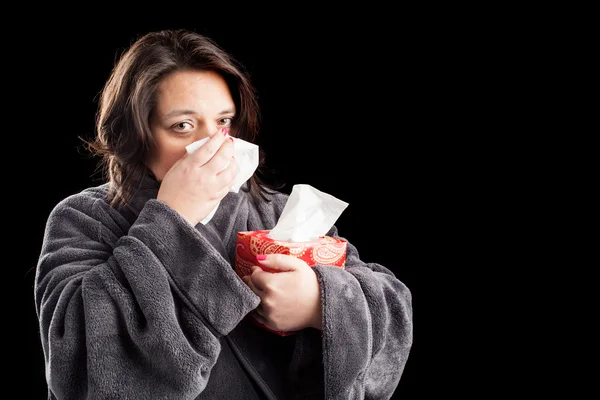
pixel 225 131
pixel 231 138
pixel 261 257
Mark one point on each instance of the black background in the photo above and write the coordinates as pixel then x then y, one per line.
pixel 351 109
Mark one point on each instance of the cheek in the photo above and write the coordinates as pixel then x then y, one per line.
pixel 163 159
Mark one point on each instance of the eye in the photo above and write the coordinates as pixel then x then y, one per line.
pixel 182 126
pixel 225 121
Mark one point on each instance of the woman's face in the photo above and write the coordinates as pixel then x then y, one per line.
pixel 191 105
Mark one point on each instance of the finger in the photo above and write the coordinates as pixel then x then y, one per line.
pixel 222 158
pixel 261 279
pixel 227 176
pixel 224 180
pixel 248 281
pixel 223 191
pixel 280 262
pixel 260 311
pixel 206 152
pixel 259 318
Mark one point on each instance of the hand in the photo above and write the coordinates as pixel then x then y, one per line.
pixel 290 298
pixel 197 182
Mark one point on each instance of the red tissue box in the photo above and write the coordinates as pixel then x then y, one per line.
pixel 325 250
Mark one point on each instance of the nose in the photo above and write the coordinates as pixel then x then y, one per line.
pixel 213 131
pixel 207 131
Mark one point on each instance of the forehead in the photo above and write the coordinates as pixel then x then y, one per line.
pixel 193 88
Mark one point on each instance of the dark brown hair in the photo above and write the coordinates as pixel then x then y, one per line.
pixel 123 137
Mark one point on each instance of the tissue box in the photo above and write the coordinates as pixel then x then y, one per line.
pixel 325 250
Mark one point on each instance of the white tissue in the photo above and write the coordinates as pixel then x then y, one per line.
pixel 307 215
pixel 246 156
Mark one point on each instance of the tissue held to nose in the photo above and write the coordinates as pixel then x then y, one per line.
pixel 246 155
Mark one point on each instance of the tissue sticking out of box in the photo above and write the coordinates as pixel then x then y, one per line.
pixel 307 215
pixel 246 155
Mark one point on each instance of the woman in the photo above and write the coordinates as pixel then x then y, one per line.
pixel 137 298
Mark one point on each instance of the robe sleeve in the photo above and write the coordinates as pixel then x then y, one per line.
pixel 367 328
pixel 123 309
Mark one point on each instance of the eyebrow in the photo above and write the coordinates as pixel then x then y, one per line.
pixel 178 113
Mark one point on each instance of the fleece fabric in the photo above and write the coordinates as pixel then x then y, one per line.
pixel 135 303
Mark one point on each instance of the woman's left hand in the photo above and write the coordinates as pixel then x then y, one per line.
pixel 290 297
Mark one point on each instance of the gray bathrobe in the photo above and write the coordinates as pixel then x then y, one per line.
pixel 135 303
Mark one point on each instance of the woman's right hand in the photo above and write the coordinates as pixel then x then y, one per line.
pixel 197 182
